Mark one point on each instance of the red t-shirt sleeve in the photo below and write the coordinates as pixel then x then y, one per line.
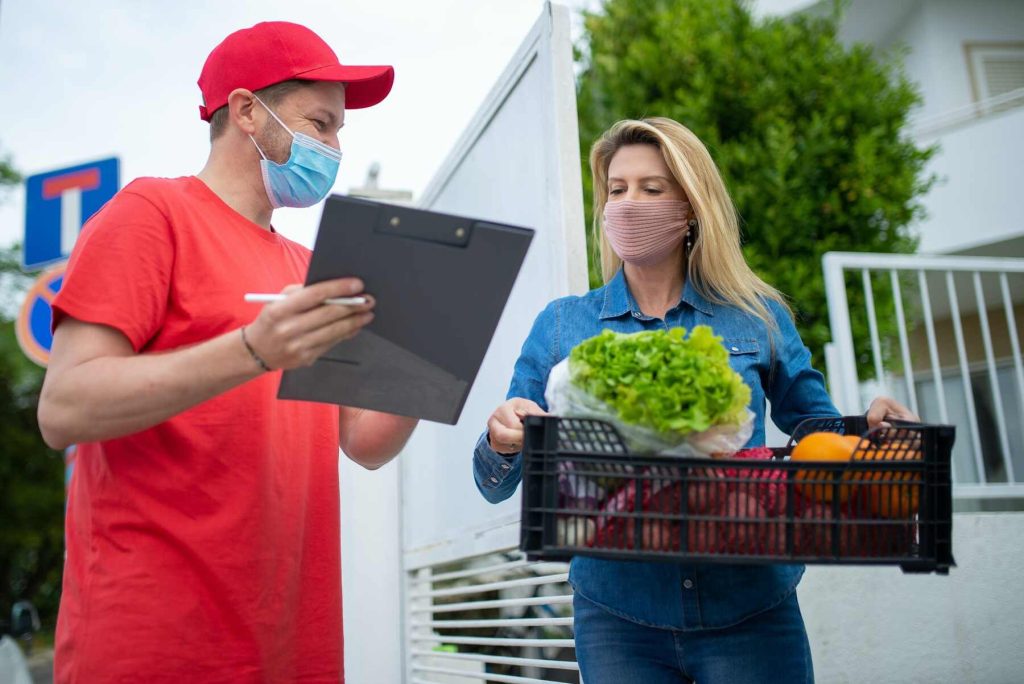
pixel 119 273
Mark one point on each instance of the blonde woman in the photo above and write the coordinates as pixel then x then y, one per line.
pixel 670 254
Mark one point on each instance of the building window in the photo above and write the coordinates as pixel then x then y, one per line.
pixel 997 71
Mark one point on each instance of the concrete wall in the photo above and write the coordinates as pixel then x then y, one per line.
pixel 879 625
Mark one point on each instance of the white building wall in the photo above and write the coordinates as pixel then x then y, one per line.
pixel 954 23
pixel 978 198
pixel 935 60
pixel 950 24
pixel 913 35
pixel 975 200
pixel 934 33
pixel 879 625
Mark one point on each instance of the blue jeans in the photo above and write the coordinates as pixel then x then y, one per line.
pixel 766 648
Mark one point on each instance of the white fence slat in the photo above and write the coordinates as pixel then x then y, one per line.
pixel 848 401
pixel 491 586
pixel 876 345
pixel 413 631
pixel 500 660
pixel 488 570
pixel 924 262
pixel 993 377
pixel 499 622
pixel 933 347
pixel 965 374
pixel 901 324
pixel 496 641
pixel 482 676
pixel 498 603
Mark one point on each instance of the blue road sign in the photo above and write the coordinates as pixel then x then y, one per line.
pixel 58 203
pixel 33 325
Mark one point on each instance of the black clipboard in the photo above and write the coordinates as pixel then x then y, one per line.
pixel 441 283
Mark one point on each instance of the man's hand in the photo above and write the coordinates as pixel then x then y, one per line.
pixel 296 331
pixel 97 387
pixel 505 426
pixel 884 409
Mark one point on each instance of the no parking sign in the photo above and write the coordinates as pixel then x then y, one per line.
pixel 36 316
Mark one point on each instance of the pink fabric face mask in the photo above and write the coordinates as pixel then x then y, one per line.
pixel 644 233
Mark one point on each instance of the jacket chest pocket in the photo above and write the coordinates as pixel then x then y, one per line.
pixel 744 357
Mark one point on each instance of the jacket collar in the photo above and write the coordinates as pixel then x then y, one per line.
pixel 618 300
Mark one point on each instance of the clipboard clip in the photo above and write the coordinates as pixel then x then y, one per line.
pixel 418 225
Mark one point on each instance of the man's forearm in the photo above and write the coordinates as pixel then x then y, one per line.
pixel 371 439
pixel 113 396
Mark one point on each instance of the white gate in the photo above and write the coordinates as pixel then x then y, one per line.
pixel 943 335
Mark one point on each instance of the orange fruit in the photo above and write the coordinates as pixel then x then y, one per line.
pixel 822 446
pixel 852 440
pixel 856 491
pixel 898 494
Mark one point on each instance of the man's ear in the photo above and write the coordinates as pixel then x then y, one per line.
pixel 242 110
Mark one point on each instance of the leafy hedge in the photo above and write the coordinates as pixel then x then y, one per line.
pixel 810 135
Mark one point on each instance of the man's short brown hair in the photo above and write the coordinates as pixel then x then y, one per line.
pixel 271 95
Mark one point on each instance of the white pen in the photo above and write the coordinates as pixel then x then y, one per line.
pixel 264 298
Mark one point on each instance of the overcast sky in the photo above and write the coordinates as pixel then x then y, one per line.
pixel 86 79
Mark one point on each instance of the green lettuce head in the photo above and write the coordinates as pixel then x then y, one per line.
pixel 662 380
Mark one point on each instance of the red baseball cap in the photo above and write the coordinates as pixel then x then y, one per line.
pixel 276 51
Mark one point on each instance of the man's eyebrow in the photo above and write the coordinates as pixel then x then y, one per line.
pixel 326 114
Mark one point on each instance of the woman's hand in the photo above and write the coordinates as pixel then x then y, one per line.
pixel 505 426
pixel 884 409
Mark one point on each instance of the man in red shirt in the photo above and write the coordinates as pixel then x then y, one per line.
pixel 203 533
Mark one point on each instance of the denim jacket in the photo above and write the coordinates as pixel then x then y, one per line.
pixel 685 596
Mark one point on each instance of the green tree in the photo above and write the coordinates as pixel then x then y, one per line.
pixel 810 135
pixel 31 474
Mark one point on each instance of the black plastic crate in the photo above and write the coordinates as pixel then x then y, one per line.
pixel 891 504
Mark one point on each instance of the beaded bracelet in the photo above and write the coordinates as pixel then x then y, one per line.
pixel 252 352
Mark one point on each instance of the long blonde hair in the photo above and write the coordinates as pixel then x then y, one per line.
pixel 715 266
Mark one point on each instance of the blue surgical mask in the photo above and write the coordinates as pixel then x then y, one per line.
pixel 306 177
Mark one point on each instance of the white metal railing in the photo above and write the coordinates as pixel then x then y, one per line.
pixel 934 124
pixel 494 618
pixel 959 301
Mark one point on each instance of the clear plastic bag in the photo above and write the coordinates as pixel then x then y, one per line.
pixel 568 401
